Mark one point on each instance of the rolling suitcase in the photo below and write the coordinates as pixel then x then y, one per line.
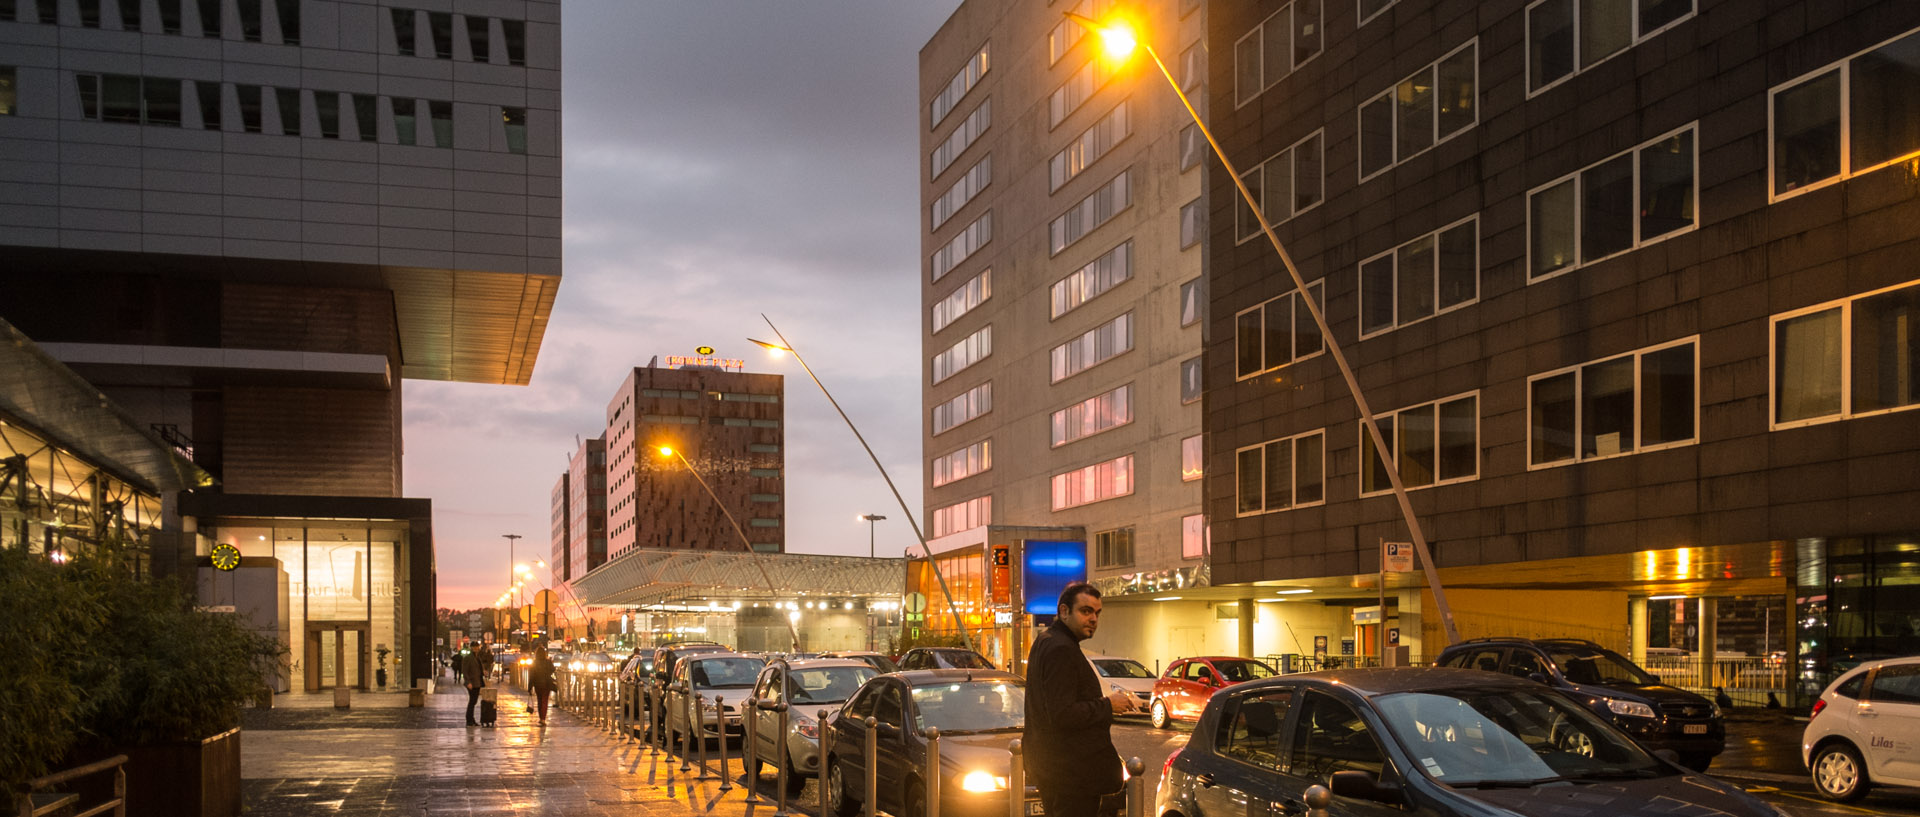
pixel 489 706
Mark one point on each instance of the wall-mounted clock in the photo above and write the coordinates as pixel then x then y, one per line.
pixel 225 556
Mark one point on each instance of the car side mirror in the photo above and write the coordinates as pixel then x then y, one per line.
pixel 1537 677
pixel 1364 786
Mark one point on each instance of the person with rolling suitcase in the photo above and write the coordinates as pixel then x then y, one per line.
pixel 489 706
pixel 474 676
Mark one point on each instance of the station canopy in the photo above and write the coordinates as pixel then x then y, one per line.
pixel 663 578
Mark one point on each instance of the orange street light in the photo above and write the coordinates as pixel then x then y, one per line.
pixel 1119 39
pixel 667 451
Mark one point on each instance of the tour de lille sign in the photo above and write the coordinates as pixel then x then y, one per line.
pixel 340 572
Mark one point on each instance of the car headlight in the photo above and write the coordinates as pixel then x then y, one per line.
pixel 1714 708
pixel 1632 709
pixel 979 780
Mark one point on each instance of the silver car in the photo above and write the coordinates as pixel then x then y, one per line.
pixel 809 687
pixel 728 676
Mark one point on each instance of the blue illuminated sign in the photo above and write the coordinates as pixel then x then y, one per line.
pixel 1047 567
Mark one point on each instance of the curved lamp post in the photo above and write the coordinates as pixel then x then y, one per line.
pixel 1119 42
pixel 670 451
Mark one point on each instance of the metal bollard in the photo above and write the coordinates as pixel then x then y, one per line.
pixel 720 715
pixel 750 719
pixel 1016 781
pixel 700 734
pixel 932 772
pixel 779 765
pixel 873 754
pixel 686 737
pixel 1317 797
pixel 820 723
pixel 1136 787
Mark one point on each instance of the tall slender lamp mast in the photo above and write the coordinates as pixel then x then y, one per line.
pixel 870 519
pixel 1119 42
pixel 932 563
pixel 670 451
pixel 512 538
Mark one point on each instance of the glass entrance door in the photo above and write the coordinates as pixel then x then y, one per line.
pixel 336 655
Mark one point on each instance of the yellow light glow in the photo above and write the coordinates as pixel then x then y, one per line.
pixel 1117 39
pixel 774 349
pixel 666 451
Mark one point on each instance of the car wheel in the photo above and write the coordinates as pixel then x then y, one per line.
pixel 839 800
pixel 1161 719
pixel 1838 773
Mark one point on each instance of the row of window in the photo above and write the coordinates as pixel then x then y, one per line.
pixel 1276 47
pixel 1566 37
pixel 1430 106
pixel 964 245
pixel 960 139
pixel 1287 184
pixel 440 29
pixel 967 405
pixel 962 300
pixel 728 422
pixel 970 350
pixel 1095 346
pixel 1094 142
pixel 1093 483
pixel 958 465
pixel 1093 415
pixel 689 394
pixel 963 81
pixel 256 18
pixel 1098 208
pixel 961 516
pixel 962 191
pixel 1077 90
pixel 1110 270
pixel 1111 548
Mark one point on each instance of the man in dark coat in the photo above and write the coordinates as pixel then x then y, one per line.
pixel 1068 741
pixel 474 675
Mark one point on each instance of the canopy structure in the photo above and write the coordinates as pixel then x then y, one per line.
pixel 657 578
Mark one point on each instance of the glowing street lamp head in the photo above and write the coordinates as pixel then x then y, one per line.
pixel 666 451
pixel 1116 37
pixel 776 349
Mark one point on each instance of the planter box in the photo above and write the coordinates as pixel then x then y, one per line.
pixel 186 779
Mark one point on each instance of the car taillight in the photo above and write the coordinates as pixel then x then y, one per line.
pixel 1169 764
pixel 1817 706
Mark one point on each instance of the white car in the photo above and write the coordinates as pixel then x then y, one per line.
pixel 1865 730
pixel 1125 675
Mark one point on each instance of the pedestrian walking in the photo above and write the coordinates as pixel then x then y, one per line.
pixel 474 675
pixel 1068 739
pixel 541 679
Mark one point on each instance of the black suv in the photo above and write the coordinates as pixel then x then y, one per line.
pixel 1657 715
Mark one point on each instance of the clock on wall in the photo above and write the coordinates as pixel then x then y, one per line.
pixel 225 556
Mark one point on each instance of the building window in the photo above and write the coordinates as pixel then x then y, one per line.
pixel 1847 358
pixel 289 12
pixel 1565 37
pixel 962 138
pixel 966 406
pixel 1277 333
pixel 1090 213
pixel 1089 146
pixel 129 15
pixel 1849 118
pixel 764 473
pixel 1193 65
pixel 970 350
pixel 1095 483
pixel 207 94
pixel 440 29
pixel 962 300
pixel 1193 536
pixel 288 101
pixel 249 99
pixel 9 93
pixel 1093 415
pixel 1192 459
pixel 1086 283
pixel 250 17
pixel 121 98
pixel 962 190
pixel 1276 47
pixel 1625 202
pixel 1640 401
pixel 958 465
pixel 1113 548
pixel 1287 184
pixel 1190 385
pixel 1281 474
pixel 442 115
pixel 957 88
pixel 1432 444
pixel 404 30
pixel 1077 90
pixel 1423 110
pixel 515 122
pixel 1193 147
pixel 1370 9
pixel 764 448
pixel 1193 301
pixel 963 515
pixel 404 120
pixel 1193 222
pixel 1433 274
pixel 478 39
pixel 764 498
pixel 964 245
pixel 763 522
pixel 1098 345
pixel 326 106
pixel 366 116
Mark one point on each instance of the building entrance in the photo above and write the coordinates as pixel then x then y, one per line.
pixel 336 655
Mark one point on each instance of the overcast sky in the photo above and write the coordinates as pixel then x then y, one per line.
pixel 722 159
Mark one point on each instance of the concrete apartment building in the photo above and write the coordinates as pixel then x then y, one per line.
pixel 248 222
pixel 1062 292
pixel 580 512
pixel 729 425
pixel 1631 292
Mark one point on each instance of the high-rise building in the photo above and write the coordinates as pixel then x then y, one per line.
pixel 1629 290
pixel 728 424
pixel 248 222
pixel 587 508
pixel 560 531
pixel 1062 289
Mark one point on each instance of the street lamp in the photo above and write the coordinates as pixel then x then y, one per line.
pixel 1119 42
pixel 669 451
pixel 932 564
pixel 511 539
pixel 870 519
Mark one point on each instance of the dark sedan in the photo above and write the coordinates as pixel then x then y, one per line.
pixel 978 712
pixel 1431 742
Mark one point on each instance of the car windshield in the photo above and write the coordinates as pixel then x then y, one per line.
pixel 1122 668
pixel 1237 671
pixel 714 673
pixel 963 659
pixel 1590 666
pixel 1506 736
pixel 828 685
pixel 878 662
pixel 970 706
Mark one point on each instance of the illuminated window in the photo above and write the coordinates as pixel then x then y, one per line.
pixel 962 300
pixel 957 465
pixel 1094 483
pixel 1192 459
pixel 1111 269
pixel 968 405
pixel 1847 358
pixel 1098 345
pixel 1090 213
pixel 1089 146
pixel 1093 415
pixel 962 138
pixel 970 350
pixel 1194 536
pixel 963 81
pixel 963 515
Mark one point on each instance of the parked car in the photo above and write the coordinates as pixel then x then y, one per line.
pixel 727 675
pixel 1658 715
pixel 944 658
pixel 1424 742
pixel 978 712
pixel 664 658
pixel 1183 691
pixel 593 662
pixel 1125 675
pixel 876 660
pixel 1865 730
pixel 816 684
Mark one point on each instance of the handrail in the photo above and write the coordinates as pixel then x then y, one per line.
pixel 118 804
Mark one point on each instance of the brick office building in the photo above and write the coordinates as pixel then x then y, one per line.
pixel 1629 287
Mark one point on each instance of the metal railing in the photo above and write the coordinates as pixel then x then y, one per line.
pixel 1744 680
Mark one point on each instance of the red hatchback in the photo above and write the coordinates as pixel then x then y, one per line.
pixel 1183 692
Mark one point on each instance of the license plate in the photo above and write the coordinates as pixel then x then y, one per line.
pixel 1694 728
pixel 1033 808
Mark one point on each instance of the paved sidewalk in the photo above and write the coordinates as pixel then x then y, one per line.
pixel 304 757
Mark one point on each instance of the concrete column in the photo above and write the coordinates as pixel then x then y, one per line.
pixel 1637 630
pixel 1246 628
